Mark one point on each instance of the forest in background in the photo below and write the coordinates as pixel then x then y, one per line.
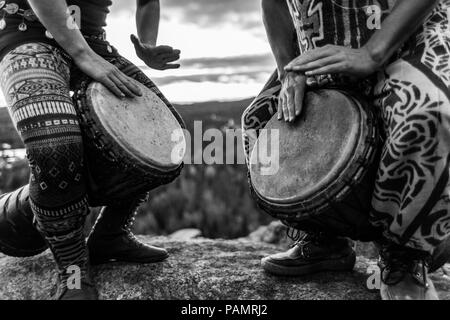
pixel 212 198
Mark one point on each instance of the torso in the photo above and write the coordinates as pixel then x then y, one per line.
pixel 93 15
pixel 347 23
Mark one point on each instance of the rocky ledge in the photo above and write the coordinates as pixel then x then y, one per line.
pixel 197 269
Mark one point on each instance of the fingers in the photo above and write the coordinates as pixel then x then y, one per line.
pixel 170 57
pixel 290 104
pixel 130 86
pixel 280 107
pixel 314 64
pixel 164 50
pixel 285 108
pixel 298 98
pixel 171 66
pixel 333 68
pixel 291 97
pixel 311 56
pixel 110 84
pixel 120 84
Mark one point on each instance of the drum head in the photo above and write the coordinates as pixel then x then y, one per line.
pixel 143 126
pixel 313 151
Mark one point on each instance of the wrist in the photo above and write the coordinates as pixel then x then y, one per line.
pixel 80 53
pixel 147 41
pixel 281 74
pixel 377 54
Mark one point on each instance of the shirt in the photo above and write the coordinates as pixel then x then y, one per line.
pixel 91 14
pixel 348 23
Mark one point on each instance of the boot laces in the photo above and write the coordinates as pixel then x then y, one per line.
pixel 302 238
pixel 128 229
pixel 396 262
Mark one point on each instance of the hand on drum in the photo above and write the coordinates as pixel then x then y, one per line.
pixel 156 57
pixel 290 101
pixel 107 74
pixel 335 59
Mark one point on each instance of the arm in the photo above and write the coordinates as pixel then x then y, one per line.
pixel 53 15
pixel 147 20
pixel 403 21
pixel 405 18
pixel 282 38
pixel 147 23
pixel 280 32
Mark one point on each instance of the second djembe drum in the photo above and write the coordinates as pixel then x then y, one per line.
pixel 327 164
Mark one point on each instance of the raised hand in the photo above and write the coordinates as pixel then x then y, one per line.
pixel 156 57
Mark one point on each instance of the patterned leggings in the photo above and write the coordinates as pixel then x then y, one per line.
pixel 36 79
pixel 412 193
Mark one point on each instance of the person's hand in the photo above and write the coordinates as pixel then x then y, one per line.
pixel 332 59
pixel 107 74
pixel 156 57
pixel 290 101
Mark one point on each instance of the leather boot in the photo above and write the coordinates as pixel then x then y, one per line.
pixel 314 252
pixel 111 238
pixel 404 274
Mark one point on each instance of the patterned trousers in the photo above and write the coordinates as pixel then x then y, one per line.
pixel 412 192
pixel 36 79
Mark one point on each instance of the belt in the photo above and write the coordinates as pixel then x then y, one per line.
pixel 29 15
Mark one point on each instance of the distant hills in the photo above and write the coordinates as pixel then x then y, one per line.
pixel 214 113
pixel 8 133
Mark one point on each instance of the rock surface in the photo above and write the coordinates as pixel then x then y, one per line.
pixel 197 269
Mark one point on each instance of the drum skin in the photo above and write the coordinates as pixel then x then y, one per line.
pixel 327 167
pixel 142 126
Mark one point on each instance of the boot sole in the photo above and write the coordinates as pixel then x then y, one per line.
pixel 386 295
pixel 342 264
pixel 97 261
pixel 19 253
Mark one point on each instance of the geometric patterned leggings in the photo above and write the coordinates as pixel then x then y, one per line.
pixel 35 80
pixel 412 191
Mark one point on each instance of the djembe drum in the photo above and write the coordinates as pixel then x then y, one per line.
pixel 131 146
pixel 327 167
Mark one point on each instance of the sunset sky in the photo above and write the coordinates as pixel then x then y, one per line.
pixel 225 54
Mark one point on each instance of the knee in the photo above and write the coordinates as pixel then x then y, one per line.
pixel 57 168
pixel 245 118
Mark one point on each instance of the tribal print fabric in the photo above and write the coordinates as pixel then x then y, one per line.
pixel 412 192
pixel 348 23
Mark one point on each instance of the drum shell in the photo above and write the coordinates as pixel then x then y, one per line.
pixel 338 212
